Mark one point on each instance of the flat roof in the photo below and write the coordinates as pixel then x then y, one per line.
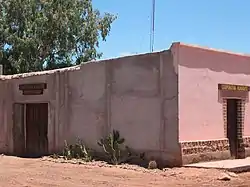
pixel 73 68
pixel 210 49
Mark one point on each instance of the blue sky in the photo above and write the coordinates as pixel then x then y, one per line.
pixel 223 24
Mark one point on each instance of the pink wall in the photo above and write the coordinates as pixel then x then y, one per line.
pixel 200 71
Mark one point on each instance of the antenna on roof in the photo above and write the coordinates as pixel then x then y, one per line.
pixel 152 28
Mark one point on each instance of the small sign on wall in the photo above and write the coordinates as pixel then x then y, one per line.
pixel 33 89
pixel 232 87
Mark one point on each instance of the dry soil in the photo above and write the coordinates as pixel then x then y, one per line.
pixel 46 173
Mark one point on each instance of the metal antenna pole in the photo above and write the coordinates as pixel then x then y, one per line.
pixel 152 30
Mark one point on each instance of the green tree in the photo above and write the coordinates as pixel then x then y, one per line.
pixel 48 34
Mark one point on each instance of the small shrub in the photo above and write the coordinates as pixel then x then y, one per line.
pixel 114 147
pixel 78 151
pixel 55 156
pixel 67 151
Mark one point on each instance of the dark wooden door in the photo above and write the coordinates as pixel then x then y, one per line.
pixel 36 129
pixel 232 126
pixel 18 129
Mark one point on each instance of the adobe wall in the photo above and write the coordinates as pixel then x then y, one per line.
pixel 201 107
pixel 137 95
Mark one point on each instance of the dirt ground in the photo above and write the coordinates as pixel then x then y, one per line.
pixel 41 172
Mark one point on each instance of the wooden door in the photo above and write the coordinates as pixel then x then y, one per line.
pixel 36 129
pixel 18 129
pixel 232 126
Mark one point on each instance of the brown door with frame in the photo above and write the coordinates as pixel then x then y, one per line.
pixel 232 126
pixel 36 129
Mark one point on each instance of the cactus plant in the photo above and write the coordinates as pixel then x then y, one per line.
pixel 113 146
pixel 78 150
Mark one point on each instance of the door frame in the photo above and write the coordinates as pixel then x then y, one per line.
pixel 24 103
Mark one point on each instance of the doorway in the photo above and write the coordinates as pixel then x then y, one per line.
pixel 232 126
pixel 30 129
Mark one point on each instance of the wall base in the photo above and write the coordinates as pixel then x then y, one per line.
pixel 205 157
pixel 163 158
pixel 204 150
pixel 208 150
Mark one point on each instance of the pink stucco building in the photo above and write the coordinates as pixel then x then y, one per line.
pixel 181 105
pixel 213 120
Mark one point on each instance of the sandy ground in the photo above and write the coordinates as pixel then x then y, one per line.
pixel 41 172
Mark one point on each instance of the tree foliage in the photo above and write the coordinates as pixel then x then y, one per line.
pixel 48 34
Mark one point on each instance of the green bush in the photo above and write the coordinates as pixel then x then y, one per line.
pixel 77 151
pixel 114 147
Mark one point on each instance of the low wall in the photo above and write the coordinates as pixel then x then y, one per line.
pixel 208 150
pixel 196 151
